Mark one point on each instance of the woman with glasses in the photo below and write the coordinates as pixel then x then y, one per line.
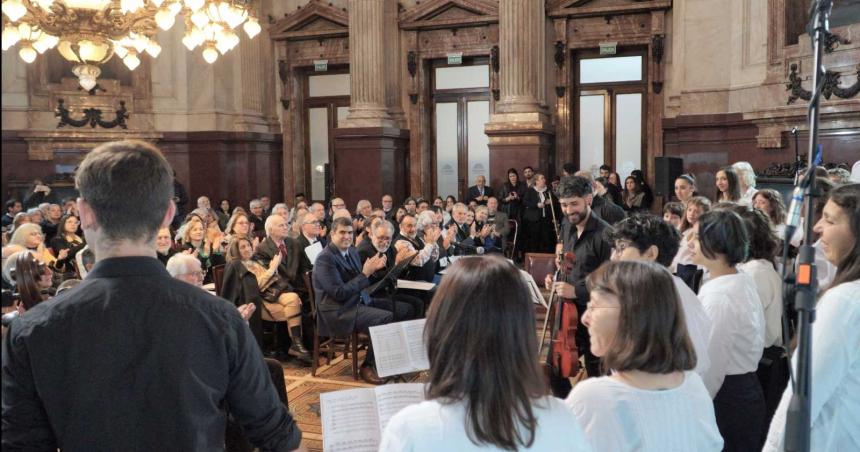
pixel 195 241
pixel 652 400
pixel 485 390
pixel 30 236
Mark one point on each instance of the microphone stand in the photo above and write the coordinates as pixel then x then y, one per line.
pixel 796 155
pixel 798 420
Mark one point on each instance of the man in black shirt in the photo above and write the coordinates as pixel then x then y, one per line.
pixel 582 233
pixel 132 359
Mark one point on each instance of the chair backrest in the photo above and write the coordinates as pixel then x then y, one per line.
pixel 307 277
pixel 511 245
pixel 539 265
pixel 218 278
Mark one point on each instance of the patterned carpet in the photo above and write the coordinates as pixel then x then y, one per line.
pixel 303 389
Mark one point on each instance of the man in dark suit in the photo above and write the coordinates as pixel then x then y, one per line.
pixel 499 219
pixel 479 192
pixel 255 216
pixel 379 243
pixel 339 280
pixel 462 242
pixel 310 231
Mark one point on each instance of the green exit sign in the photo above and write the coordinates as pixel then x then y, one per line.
pixel 455 58
pixel 320 65
pixel 608 48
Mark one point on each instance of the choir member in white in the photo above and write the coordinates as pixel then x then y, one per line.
pixel 486 391
pixel 835 369
pixel 652 401
pixel 719 243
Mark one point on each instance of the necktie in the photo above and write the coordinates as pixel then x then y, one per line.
pixel 283 250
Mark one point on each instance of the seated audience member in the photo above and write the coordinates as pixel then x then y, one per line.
pixel 255 216
pixel 421 235
pixel 644 237
pixel 164 246
pixel 651 401
pixel 683 265
pixel 277 242
pixel 835 367
pixel 673 212
pixel 423 205
pixel 13 207
pixel 208 253
pixel 499 219
pixel 67 238
pixel 719 243
pixel 399 213
pixel 648 199
pixel 296 224
pixel 610 191
pixel 309 235
pixel 478 400
pixel 539 214
pixel 459 230
pixel 20 218
pixel 839 176
pixel 68 364
pixel 484 232
pixel 615 179
pixel 342 306
pixel 685 187
pixel 760 265
pixel 410 205
pixel 51 223
pixel 247 281
pixel 223 213
pixel 379 243
pixel 480 192
pixel 388 206
pixel 746 178
pixel 633 196
pixel 36 215
pixel 728 185
pixel 30 236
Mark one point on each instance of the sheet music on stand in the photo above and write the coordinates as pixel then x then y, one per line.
pixel 534 289
pixel 313 251
pixel 399 347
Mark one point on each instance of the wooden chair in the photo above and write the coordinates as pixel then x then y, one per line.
pixel 329 345
pixel 539 265
pixel 218 277
pixel 512 245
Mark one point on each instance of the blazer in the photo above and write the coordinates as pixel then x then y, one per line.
pixel 607 210
pixel 305 264
pixel 366 250
pixel 337 286
pixel 534 214
pixel 474 192
pixel 240 287
pixel 289 268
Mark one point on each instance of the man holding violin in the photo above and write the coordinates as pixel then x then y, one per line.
pixel 582 234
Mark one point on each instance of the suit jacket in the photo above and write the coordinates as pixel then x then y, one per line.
pixel 366 250
pixel 338 283
pixel 305 264
pixel 289 268
pixel 502 227
pixel 533 213
pixel 607 210
pixel 474 193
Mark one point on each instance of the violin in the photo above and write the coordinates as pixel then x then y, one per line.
pixel 562 358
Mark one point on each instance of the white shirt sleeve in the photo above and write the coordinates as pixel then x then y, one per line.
pixel 719 337
pixel 397 437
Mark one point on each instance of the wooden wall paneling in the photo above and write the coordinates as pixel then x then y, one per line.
pixel 565 97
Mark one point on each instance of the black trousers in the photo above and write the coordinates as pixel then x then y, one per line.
pixel 234 438
pixel 740 411
pixel 772 374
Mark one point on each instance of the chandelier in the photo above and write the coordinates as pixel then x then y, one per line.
pixel 89 32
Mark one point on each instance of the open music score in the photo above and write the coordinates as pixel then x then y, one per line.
pixel 353 420
pixel 399 347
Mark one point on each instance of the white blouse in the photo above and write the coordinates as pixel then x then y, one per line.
pixel 698 324
pixel 768 284
pixel 835 375
pixel 620 417
pixel 737 327
pixel 684 256
pixel 432 426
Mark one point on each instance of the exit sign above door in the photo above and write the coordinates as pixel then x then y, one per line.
pixel 455 58
pixel 608 48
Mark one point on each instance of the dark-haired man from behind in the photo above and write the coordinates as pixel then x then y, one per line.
pixel 582 233
pixel 13 206
pixel 132 359
pixel 646 237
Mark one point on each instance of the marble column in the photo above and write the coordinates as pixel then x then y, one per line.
pixel 520 130
pixel 371 142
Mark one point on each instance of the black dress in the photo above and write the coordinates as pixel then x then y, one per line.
pixel 66 267
pixel 240 287
pixel 538 228
pixel 514 207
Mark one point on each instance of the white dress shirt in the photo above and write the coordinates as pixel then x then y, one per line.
pixel 747 197
pixel 737 327
pixel 698 324
pixel 619 417
pixel 433 427
pixel 768 284
pixel 835 373
pixel 684 256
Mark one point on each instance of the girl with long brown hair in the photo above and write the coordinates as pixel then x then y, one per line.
pixel 486 391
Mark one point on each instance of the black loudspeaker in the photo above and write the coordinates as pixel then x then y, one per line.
pixel 666 170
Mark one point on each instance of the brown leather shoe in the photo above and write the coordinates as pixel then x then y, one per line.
pixel 368 374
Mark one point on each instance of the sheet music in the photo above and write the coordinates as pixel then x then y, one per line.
pixel 534 289
pixel 350 420
pixel 313 251
pixel 354 419
pixel 392 398
pixel 399 347
pixel 416 285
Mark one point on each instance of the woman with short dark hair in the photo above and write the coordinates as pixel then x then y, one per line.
pixel 719 243
pixel 511 195
pixel 835 370
pixel 486 391
pixel 652 401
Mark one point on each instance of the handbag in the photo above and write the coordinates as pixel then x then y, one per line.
pixel 275 288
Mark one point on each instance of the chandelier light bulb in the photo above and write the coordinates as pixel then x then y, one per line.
pixel 14 10
pixel 95 5
pixel 130 6
pixel 131 60
pixel 24 30
pixel 87 50
pixel 157 3
pixel 165 18
pixel 189 42
pixel 210 54
pixel 139 42
pixel 175 7
pixel 222 45
pixel 87 75
pixel 119 50
pixel 27 53
pixel 252 27
pixel 194 5
pixel 200 19
pixel 153 49
pixel 10 36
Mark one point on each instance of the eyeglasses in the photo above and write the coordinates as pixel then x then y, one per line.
pixel 590 307
pixel 620 247
pixel 198 274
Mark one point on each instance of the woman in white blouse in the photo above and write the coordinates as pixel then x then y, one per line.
pixel 652 401
pixel 486 391
pixel 835 369
pixel 719 243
